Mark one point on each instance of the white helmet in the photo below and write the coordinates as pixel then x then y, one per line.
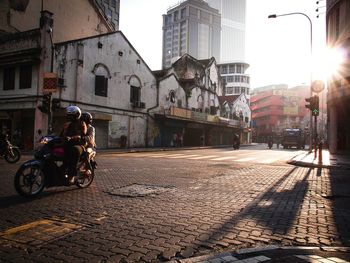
pixel 73 112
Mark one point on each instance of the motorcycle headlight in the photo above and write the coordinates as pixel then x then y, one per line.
pixel 44 140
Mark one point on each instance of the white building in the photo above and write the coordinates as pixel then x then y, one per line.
pixel 102 74
pixel 107 77
pixel 236 108
pixel 189 104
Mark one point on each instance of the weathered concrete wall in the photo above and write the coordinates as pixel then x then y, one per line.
pixel 241 105
pixel 68 16
pixel 111 55
pixel 167 85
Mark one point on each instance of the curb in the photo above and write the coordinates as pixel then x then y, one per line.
pixel 212 257
pixel 312 165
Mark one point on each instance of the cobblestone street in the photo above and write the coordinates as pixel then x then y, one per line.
pixel 155 210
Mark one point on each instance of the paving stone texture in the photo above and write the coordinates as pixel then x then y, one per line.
pixel 207 207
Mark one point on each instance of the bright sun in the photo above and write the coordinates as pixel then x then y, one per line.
pixel 327 63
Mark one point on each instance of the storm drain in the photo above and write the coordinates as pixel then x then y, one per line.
pixel 140 190
pixel 39 232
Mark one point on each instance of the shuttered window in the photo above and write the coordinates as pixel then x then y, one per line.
pixel 135 94
pixel 101 86
pixel 9 78
pixel 25 77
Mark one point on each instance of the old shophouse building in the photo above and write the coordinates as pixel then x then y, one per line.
pixel 105 75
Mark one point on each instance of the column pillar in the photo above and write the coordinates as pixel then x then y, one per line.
pixel 332 132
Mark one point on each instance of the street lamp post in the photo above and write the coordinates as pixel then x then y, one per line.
pixel 299 13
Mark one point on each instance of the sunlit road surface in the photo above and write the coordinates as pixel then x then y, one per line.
pixel 258 154
pixel 164 205
pixel 311 158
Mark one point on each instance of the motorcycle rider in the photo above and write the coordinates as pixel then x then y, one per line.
pixel 270 141
pixel 75 138
pixel 236 141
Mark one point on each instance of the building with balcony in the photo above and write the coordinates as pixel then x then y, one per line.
pixel 189 106
pixel 338 99
pixel 191 27
pixel 276 107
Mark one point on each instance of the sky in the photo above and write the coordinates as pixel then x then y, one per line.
pixel 277 50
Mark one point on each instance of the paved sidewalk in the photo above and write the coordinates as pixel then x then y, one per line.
pixel 328 160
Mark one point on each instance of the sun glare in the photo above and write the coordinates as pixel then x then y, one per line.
pixel 327 63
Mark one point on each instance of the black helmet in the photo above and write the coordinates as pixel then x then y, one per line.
pixel 86 117
pixel 73 112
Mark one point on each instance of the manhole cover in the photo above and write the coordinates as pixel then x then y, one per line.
pixel 38 232
pixel 139 190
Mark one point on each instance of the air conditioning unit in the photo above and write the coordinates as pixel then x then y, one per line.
pixel 61 82
pixel 139 104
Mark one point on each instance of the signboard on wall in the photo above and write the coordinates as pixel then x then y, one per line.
pixel 49 82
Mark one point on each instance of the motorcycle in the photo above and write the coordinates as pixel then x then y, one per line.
pixel 47 169
pixel 269 144
pixel 8 151
pixel 236 145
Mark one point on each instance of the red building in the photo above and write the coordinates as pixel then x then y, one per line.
pixel 276 109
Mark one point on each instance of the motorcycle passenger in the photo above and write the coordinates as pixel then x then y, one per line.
pixel 74 135
pixel 87 118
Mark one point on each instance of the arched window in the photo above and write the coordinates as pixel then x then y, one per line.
pixel 135 89
pixel 102 75
pixel 200 103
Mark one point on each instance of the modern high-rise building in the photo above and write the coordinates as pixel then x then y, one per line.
pixel 232 50
pixel 233 17
pixel 191 27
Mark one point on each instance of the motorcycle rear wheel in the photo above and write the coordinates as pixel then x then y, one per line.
pixel 29 181
pixel 13 155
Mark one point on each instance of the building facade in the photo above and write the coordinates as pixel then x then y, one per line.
pixel 191 27
pixel 232 50
pixel 338 99
pixel 24 15
pixel 190 107
pixel 111 9
pixel 237 108
pixel 277 108
pixel 233 20
pixel 237 81
pixel 102 74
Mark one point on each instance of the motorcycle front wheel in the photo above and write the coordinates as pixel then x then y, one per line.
pixel 12 155
pixel 29 181
pixel 85 178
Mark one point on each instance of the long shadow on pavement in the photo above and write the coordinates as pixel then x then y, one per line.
pixel 275 210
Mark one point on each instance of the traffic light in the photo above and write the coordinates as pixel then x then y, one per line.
pixel 56 104
pixel 315 106
pixel 45 107
pixel 309 100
